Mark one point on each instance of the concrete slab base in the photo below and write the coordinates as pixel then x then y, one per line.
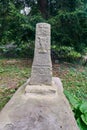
pixel 38 107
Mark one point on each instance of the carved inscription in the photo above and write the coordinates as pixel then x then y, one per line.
pixel 43 30
pixel 42 45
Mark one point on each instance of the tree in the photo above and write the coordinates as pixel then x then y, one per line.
pixel 68 19
pixel 43 7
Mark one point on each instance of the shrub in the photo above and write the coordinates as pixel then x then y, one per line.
pixel 70 29
pixel 65 52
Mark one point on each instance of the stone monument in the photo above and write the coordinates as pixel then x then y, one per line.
pixel 40 103
pixel 42 67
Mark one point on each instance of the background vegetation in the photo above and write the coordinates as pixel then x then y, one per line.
pixel 68 20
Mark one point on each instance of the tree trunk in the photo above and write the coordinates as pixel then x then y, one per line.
pixel 43 7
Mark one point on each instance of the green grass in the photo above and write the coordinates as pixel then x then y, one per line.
pixel 74 78
pixel 13 73
pixel 5 96
pixel 75 81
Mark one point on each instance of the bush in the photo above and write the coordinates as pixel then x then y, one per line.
pixel 69 26
pixel 25 50
pixel 65 53
pixel 70 29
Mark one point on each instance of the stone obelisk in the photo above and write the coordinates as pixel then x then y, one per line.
pixel 42 66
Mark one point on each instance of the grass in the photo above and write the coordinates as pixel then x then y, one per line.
pixel 74 78
pixel 5 95
pixel 13 73
pixel 76 82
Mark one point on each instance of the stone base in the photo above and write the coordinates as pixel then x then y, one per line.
pixel 38 107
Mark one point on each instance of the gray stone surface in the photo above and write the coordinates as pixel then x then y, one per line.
pixel 42 66
pixel 38 107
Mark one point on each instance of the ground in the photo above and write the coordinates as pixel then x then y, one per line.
pixel 14 72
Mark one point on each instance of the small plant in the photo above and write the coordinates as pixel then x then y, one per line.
pixel 80 110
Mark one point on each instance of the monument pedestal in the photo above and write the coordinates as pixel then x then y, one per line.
pixel 38 107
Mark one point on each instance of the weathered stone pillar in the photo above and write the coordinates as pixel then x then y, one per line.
pixel 42 66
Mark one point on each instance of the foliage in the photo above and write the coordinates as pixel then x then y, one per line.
pixel 80 110
pixel 65 53
pixel 70 29
pixel 20 31
pixel 24 50
pixel 67 18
